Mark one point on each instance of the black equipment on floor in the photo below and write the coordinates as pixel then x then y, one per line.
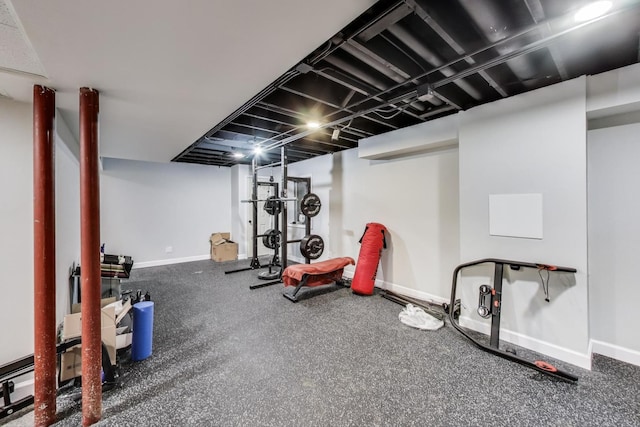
pixel 490 305
pixel 271 240
pixel 273 206
pixel 309 205
pixel 113 268
pixel 23 366
pixel 313 275
pixel 429 307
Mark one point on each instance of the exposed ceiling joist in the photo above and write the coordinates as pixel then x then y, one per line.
pixel 403 62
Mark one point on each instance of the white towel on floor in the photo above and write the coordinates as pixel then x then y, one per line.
pixel 418 318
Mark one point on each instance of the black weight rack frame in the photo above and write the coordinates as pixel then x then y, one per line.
pixel 255 260
pixel 284 240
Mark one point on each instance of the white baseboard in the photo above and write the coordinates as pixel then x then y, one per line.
pixel 542 347
pixel 402 290
pixel 146 264
pixel 552 350
pixel 412 293
pixel 615 352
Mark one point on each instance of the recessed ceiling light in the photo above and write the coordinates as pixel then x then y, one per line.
pixel 238 155
pixel 313 125
pixel 592 10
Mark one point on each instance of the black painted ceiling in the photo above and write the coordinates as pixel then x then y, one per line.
pixel 405 62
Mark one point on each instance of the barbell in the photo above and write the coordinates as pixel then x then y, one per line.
pixel 309 205
pixel 311 246
pixel 279 199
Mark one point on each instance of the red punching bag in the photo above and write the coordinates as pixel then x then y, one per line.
pixel 373 241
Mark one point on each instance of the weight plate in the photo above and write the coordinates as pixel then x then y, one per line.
pixel 312 246
pixel 271 239
pixel 272 206
pixel 310 205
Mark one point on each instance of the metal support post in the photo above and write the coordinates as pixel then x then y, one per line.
pixel 496 304
pixel 90 258
pixel 255 262
pixel 44 245
pixel 283 193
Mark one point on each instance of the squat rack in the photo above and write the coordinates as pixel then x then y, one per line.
pixel 280 236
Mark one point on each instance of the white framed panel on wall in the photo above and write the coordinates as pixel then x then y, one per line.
pixel 515 215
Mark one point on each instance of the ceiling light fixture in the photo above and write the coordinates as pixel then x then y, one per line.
pixel 592 10
pixel 238 155
pixel 257 150
pixel 313 125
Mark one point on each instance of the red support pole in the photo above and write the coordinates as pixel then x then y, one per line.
pixel 90 258
pixel 44 256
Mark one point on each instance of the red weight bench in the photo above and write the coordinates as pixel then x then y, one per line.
pixel 319 273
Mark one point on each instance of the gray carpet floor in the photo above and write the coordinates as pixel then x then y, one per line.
pixel 225 355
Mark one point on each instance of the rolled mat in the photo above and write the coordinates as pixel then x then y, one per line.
pixel 142 340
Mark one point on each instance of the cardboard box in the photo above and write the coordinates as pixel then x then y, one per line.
pixel 219 238
pixel 75 308
pixel 124 340
pixel 70 364
pixel 222 248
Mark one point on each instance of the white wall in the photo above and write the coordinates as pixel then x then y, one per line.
pixel 531 143
pixel 614 92
pixel 239 212
pixel 415 197
pixel 67 215
pixel 614 241
pixel 16 229
pixel 323 182
pixel 146 208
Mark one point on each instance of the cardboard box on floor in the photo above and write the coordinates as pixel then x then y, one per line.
pixel 222 248
pixel 70 364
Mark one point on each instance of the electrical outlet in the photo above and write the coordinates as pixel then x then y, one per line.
pixel 168 249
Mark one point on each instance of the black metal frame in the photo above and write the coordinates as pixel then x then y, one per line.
pixel 283 213
pixel 402 62
pixel 7 373
pixel 282 261
pixel 293 296
pixel 307 223
pixel 496 308
pixel 25 365
pixel 285 179
pixel 255 260
pixel 429 307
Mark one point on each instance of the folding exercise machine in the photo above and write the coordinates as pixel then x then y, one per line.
pixel 490 305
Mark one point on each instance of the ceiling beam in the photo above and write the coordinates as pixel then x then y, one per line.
pixel 385 22
pixel 451 42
